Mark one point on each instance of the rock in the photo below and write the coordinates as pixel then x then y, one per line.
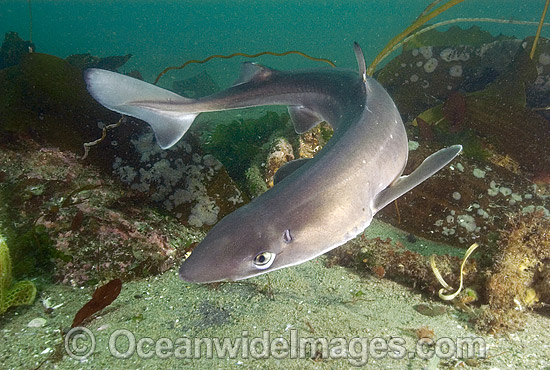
pixel 13 49
pixel 430 209
pixel 280 153
pixel 312 141
pixel 498 116
pixel 85 61
pixel 45 98
pixel 37 323
pixel 423 76
pixel 119 235
pixel 191 185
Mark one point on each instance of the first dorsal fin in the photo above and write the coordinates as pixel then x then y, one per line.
pixel 252 71
pixel 360 61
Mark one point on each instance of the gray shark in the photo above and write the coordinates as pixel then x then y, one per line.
pixel 316 204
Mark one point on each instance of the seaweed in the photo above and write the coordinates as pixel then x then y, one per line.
pixel 20 293
pixel 242 55
pixel 238 143
pixel 518 279
pixel 102 297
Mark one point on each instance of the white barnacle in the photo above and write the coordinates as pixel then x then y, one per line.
pixel 430 65
pixel 544 59
pixel 455 71
pixel 479 173
pixel 446 54
pixel 451 55
pixel 426 51
pixel 467 222
pixel 413 145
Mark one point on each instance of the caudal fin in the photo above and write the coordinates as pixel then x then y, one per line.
pixel 136 98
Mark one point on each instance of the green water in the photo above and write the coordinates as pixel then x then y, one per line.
pixel 162 33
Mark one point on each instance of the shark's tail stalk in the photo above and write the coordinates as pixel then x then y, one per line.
pixel 133 97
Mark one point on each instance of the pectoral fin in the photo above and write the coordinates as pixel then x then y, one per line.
pixel 303 118
pixel 288 168
pixel 430 166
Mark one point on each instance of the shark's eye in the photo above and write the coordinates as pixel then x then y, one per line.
pixel 264 260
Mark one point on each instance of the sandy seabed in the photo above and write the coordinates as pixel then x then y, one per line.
pixel 265 322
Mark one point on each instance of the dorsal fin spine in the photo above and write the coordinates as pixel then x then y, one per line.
pixel 360 61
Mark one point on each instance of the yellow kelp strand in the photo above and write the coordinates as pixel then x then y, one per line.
pixel 446 287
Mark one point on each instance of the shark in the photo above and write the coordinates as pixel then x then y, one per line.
pixel 316 204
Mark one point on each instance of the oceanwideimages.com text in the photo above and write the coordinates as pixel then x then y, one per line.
pixel 80 343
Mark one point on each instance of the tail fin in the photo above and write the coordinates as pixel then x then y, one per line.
pixel 142 100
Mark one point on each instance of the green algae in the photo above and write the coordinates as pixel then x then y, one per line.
pixel 239 143
pixel 12 294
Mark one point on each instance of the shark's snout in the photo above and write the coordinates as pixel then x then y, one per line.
pixel 193 273
pixel 202 268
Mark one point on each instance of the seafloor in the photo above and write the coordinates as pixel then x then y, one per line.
pixel 310 300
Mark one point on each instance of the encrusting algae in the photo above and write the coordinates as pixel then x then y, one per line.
pixel 518 279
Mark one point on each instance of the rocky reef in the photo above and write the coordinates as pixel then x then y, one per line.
pixel 130 210
pixel 69 221
pixel 45 98
pixel 479 92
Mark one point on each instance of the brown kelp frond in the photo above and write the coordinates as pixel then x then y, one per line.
pixel 242 55
pixel 413 27
pixel 102 297
pixel 88 145
pixel 539 29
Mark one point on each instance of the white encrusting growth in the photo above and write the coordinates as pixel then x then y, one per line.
pixel 173 182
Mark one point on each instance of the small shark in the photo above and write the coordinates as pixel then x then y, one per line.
pixel 316 204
